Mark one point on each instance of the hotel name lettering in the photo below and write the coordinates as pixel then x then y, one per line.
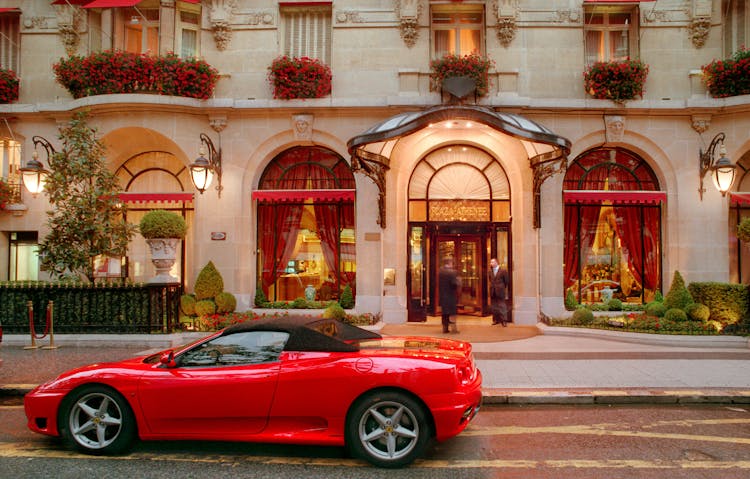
pixel 459 210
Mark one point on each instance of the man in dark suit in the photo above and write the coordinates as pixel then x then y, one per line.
pixel 498 289
pixel 448 284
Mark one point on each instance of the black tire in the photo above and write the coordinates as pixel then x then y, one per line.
pixel 97 420
pixel 388 429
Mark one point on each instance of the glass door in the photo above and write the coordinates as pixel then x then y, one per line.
pixel 416 280
pixel 467 259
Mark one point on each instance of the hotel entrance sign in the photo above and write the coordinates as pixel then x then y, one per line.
pixel 459 210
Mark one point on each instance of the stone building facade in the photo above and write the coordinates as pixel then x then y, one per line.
pixel 571 193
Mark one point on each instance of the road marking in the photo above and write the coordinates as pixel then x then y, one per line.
pixel 28 450
pixel 5 408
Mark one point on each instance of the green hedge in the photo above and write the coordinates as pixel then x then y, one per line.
pixel 89 308
pixel 728 302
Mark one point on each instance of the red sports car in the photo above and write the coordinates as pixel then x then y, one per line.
pixel 286 380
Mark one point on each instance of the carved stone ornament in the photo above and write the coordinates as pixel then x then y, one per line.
pixel 220 15
pixel 68 23
pixel 302 126
pixel 408 13
pixel 701 123
pixel 615 128
pixel 698 30
pixel 506 12
pixel 70 38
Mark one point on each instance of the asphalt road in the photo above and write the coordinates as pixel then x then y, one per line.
pixel 581 442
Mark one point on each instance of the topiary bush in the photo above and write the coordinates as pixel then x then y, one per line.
pixel 570 301
pixel 334 311
pixel 187 304
pixel 583 316
pixel 678 296
pixel 225 302
pixel 727 302
pixel 347 298
pixel 743 230
pixel 658 296
pixel 260 297
pixel 698 312
pixel 298 303
pixel 205 307
pixel 675 315
pixel 162 224
pixel 656 308
pixel 209 282
pixel 614 304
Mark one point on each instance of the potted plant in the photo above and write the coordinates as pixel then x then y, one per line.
pixel 163 230
pixel 8 86
pixel 616 80
pixel 729 77
pixel 303 77
pixel 472 65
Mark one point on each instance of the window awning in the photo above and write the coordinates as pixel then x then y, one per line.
pixel 266 196
pixel 596 197
pixel 156 197
pixel 10 10
pixel 739 198
pixel 110 3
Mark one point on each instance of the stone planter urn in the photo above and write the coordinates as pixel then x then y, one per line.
pixel 163 231
pixel 163 256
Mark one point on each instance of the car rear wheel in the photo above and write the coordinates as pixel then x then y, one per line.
pixel 388 429
pixel 97 420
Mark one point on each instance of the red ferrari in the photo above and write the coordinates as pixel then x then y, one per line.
pixel 288 380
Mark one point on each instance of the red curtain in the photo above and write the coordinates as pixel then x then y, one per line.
pixel 572 259
pixel 348 249
pixel 651 252
pixel 326 217
pixel 278 226
pixel 630 231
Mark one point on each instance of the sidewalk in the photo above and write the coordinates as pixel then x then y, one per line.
pixel 520 364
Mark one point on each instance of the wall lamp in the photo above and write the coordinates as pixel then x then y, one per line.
pixel 722 169
pixel 203 170
pixel 34 175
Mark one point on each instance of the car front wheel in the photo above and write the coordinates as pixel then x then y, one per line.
pixel 97 420
pixel 388 429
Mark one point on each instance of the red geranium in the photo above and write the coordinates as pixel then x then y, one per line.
pixel 617 80
pixel 8 86
pixel 728 77
pixel 303 77
pixel 472 65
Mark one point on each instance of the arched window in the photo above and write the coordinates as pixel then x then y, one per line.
pixel 739 252
pixel 306 225
pixel 612 227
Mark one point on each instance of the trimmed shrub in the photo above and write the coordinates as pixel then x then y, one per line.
pixel 225 303
pixel 658 296
pixel 347 299
pixel 656 309
pixel 678 296
pixel 205 307
pixel 187 304
pixel 260 297
pixel 698 312
pixel 298 303
pixel 675 315
pixel 743 230
pixel 727 302
pixel 583 316
pixel 334 311
pixel 570 301
pixel 209 282
pixel 614 304
pixel 162 224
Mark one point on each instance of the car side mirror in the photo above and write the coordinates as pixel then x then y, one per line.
pixel 167 359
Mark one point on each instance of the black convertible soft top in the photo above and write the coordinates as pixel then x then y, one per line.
pixel 310 334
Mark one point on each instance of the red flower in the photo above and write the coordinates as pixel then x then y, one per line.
pixel 302 77
pixel 617 81
pixel 472 65
pixel 8 86
pixel 729 77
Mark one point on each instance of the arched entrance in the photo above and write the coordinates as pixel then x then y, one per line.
pixel 459 207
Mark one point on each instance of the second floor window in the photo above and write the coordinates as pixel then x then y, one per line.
pixel 457 29
pixel 306 31
pixel 10 40
pixel 141 30
pixel 736 25
pixel 11 162
pixel 610 35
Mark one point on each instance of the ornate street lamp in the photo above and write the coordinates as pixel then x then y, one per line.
pixel 203 170
pixel 722 169
pixel 34 175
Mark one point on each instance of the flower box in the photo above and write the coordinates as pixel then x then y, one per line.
pixel 8 86
pixel 617 80
pixel 730 77
pixel 302 77
pixel 472 65
pixel 124 72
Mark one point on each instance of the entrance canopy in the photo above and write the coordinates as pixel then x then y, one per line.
pixel 371 151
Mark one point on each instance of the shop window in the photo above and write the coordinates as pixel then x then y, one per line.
pixel 23 260
pixel 610 33
pixel 306 232
pixel 306 30
pixel 612 243
pixel 457 29
pixel 11 162
pixel 739 251
pixel 10 40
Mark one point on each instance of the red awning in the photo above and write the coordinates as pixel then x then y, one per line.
pixel 739 198
pixel 595 197
pixel 161 197
pixel 302 195
pixel 71 2
pixel 10 10
pixel 617 1
pixel 111 3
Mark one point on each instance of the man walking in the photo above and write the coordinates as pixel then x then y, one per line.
pixel 448 284
pixel 498 289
